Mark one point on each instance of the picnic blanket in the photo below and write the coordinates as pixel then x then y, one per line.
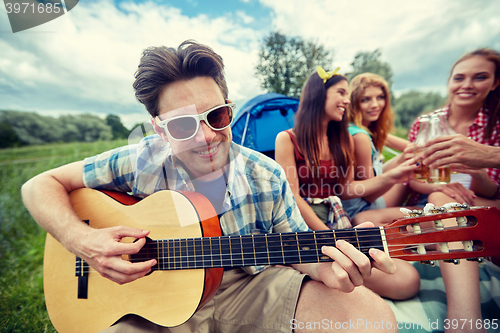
pixel 426 312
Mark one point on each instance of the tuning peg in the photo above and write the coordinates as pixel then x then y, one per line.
pixel 456 206
pixel 475 259
pixel 416 213
pixel 428 262
pixel 438 210
pixel 454 261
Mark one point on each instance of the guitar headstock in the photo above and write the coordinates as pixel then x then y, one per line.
pixel 473 232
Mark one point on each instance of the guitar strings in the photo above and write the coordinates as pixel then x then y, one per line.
pixel 184 260
pixel 178 245
pixel 286 238
pixel 85 269
pixel 336 234
pixel 275 240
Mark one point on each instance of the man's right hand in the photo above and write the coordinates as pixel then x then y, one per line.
pixel 102 249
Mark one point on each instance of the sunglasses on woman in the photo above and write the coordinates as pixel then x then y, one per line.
pixel 185 127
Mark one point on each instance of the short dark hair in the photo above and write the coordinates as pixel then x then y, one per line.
pixel 162 65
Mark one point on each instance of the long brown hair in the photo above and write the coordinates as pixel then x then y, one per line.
pixel 492 101
pixel 160 66
pixel 380 129
pixel 308 125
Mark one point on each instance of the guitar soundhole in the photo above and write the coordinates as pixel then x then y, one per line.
pixel 148 251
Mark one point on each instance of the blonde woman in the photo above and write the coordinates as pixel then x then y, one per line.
pixel 370 119
pixel 473 112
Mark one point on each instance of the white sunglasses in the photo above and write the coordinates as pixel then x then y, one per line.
pixel 185 127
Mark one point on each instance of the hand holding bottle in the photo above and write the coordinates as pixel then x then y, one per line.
pixel 431 127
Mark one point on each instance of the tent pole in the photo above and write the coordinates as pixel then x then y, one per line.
pixel 245 129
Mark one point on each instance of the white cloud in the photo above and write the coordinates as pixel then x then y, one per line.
pixel 86 59
pixel 412 35
pixel 95 49
pixel 244 17
pixel 355 25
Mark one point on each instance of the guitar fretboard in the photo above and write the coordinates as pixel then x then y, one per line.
pixel 254 250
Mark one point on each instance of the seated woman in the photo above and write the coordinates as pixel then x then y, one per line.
pixel 317 159
pixel 370 122
pixel 474 112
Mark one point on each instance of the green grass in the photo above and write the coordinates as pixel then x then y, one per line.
pixel 22 306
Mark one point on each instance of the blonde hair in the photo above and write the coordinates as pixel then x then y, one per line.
pixel 380 129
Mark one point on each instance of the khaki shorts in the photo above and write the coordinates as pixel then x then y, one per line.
pixel 244 303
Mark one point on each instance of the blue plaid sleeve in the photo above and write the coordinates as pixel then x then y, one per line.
pixel 111 170
pixel 287 216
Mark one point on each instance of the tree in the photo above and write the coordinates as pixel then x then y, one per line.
pixel 8 137
pixel 93 128
pixel 119 131
pixel 410 105
pixel 83 127
pixel 32 128
pixel 286 62
pixel 369 62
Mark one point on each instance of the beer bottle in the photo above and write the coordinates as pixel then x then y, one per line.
pixel 445 125
pixel 438 125
pixel 421 173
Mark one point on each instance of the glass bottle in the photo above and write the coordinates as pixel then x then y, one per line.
pixel 421 173
pixel 438 125
pixel 445 125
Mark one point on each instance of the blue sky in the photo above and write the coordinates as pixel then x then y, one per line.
pixel 84 61
pixel 214 9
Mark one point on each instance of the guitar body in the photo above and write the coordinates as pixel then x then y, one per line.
pixel 167 298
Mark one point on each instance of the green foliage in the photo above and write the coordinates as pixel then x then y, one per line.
pixel 85 127
pixel 410 105
pixel 369 62
pixel 8 137
pixel 32 128
pixel 402 132
pixel 119 131
pixel 286 62
pixel 22 306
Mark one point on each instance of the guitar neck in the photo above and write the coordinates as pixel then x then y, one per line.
pixel 255 250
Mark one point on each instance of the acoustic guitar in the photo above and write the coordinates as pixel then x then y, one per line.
pixel 185 238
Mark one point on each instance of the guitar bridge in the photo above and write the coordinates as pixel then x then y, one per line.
pixel 82 272
pixel 83 286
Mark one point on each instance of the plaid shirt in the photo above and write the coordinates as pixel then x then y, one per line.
pixel 258 197
pixel 476 133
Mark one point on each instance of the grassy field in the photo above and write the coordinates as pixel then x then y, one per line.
pixel 22 307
